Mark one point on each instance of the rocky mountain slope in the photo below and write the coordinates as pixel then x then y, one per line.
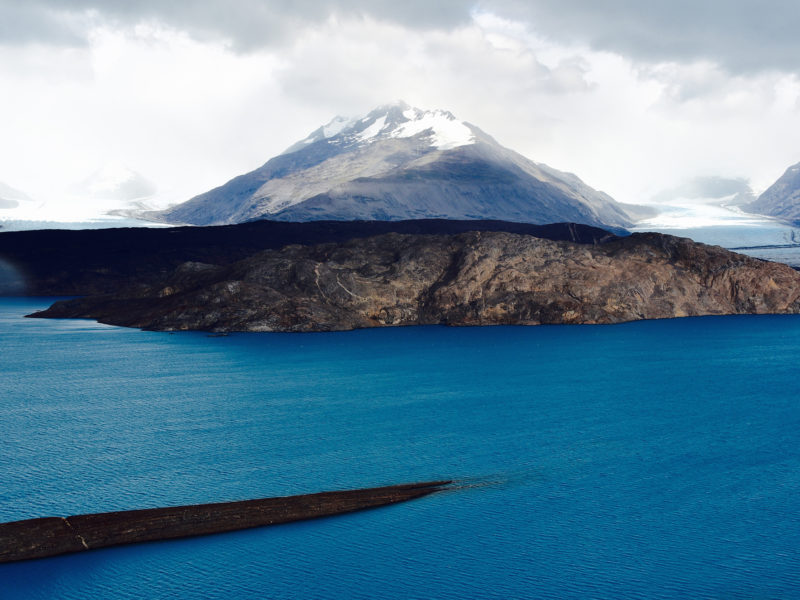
pixel 473 278
pixel 400 162
pixel 781 199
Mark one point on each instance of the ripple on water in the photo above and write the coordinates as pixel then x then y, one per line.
pixel 647 460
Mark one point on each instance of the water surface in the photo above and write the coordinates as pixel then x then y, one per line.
pixel 645 460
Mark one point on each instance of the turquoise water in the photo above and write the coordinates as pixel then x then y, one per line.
pixel 647 460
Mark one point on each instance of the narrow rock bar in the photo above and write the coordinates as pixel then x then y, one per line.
pixel 51 536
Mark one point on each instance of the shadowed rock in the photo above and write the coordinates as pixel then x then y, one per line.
pixel 103 261
pixel 475 278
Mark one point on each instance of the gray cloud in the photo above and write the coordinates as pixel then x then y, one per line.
pixel 248 24
pixel 739 35
pixel 26 22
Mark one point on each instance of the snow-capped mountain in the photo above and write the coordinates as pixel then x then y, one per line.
pixel 400 162
pixel 112 190
pixel 110 193
pixel 116 183
pixel 17 206
pixel 781 199
pixel 10 197
pixel 709 189
pixel 442 129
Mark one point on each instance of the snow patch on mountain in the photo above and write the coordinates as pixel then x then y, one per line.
pixel 398 120
pixel 336 126
pixel 447 132
pixel 373 130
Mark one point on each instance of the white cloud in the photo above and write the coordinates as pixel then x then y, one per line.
pixel 171 95
pixel 182 112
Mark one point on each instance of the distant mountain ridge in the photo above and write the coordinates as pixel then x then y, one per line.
pixel 782 198
pixel 11 197
pixel 395 163
pixel 114 182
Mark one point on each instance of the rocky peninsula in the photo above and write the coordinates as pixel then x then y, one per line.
pixel 472 278
pixel 57 262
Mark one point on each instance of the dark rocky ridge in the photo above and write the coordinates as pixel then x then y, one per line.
pixel 51 536
pixel 102 261
pixel 474 278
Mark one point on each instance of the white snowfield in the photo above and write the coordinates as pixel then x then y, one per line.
pixel 444 130
pixel 112 187
pixel 373 130
pixel 336 126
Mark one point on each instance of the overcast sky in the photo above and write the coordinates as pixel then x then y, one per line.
pixel 634 97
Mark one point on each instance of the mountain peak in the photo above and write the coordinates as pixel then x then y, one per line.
pixel 782 199
pixel 439 128
pixel 114 181
pixel 9 194
pixel 401 162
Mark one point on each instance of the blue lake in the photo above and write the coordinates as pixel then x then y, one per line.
pixel 654 459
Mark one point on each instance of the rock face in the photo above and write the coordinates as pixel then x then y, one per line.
pixel 104 261
pixel 400 162
pixel 781 199
pixel 475 278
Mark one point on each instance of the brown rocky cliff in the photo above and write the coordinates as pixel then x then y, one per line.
pixel 476 278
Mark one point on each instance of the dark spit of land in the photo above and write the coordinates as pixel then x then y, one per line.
pixel 51 536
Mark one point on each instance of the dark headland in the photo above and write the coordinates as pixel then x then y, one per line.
pixel 51 536
pixel 335 275
pixel 58 262
pixel 473 278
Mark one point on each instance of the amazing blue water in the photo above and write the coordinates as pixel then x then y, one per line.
pixel 647 460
